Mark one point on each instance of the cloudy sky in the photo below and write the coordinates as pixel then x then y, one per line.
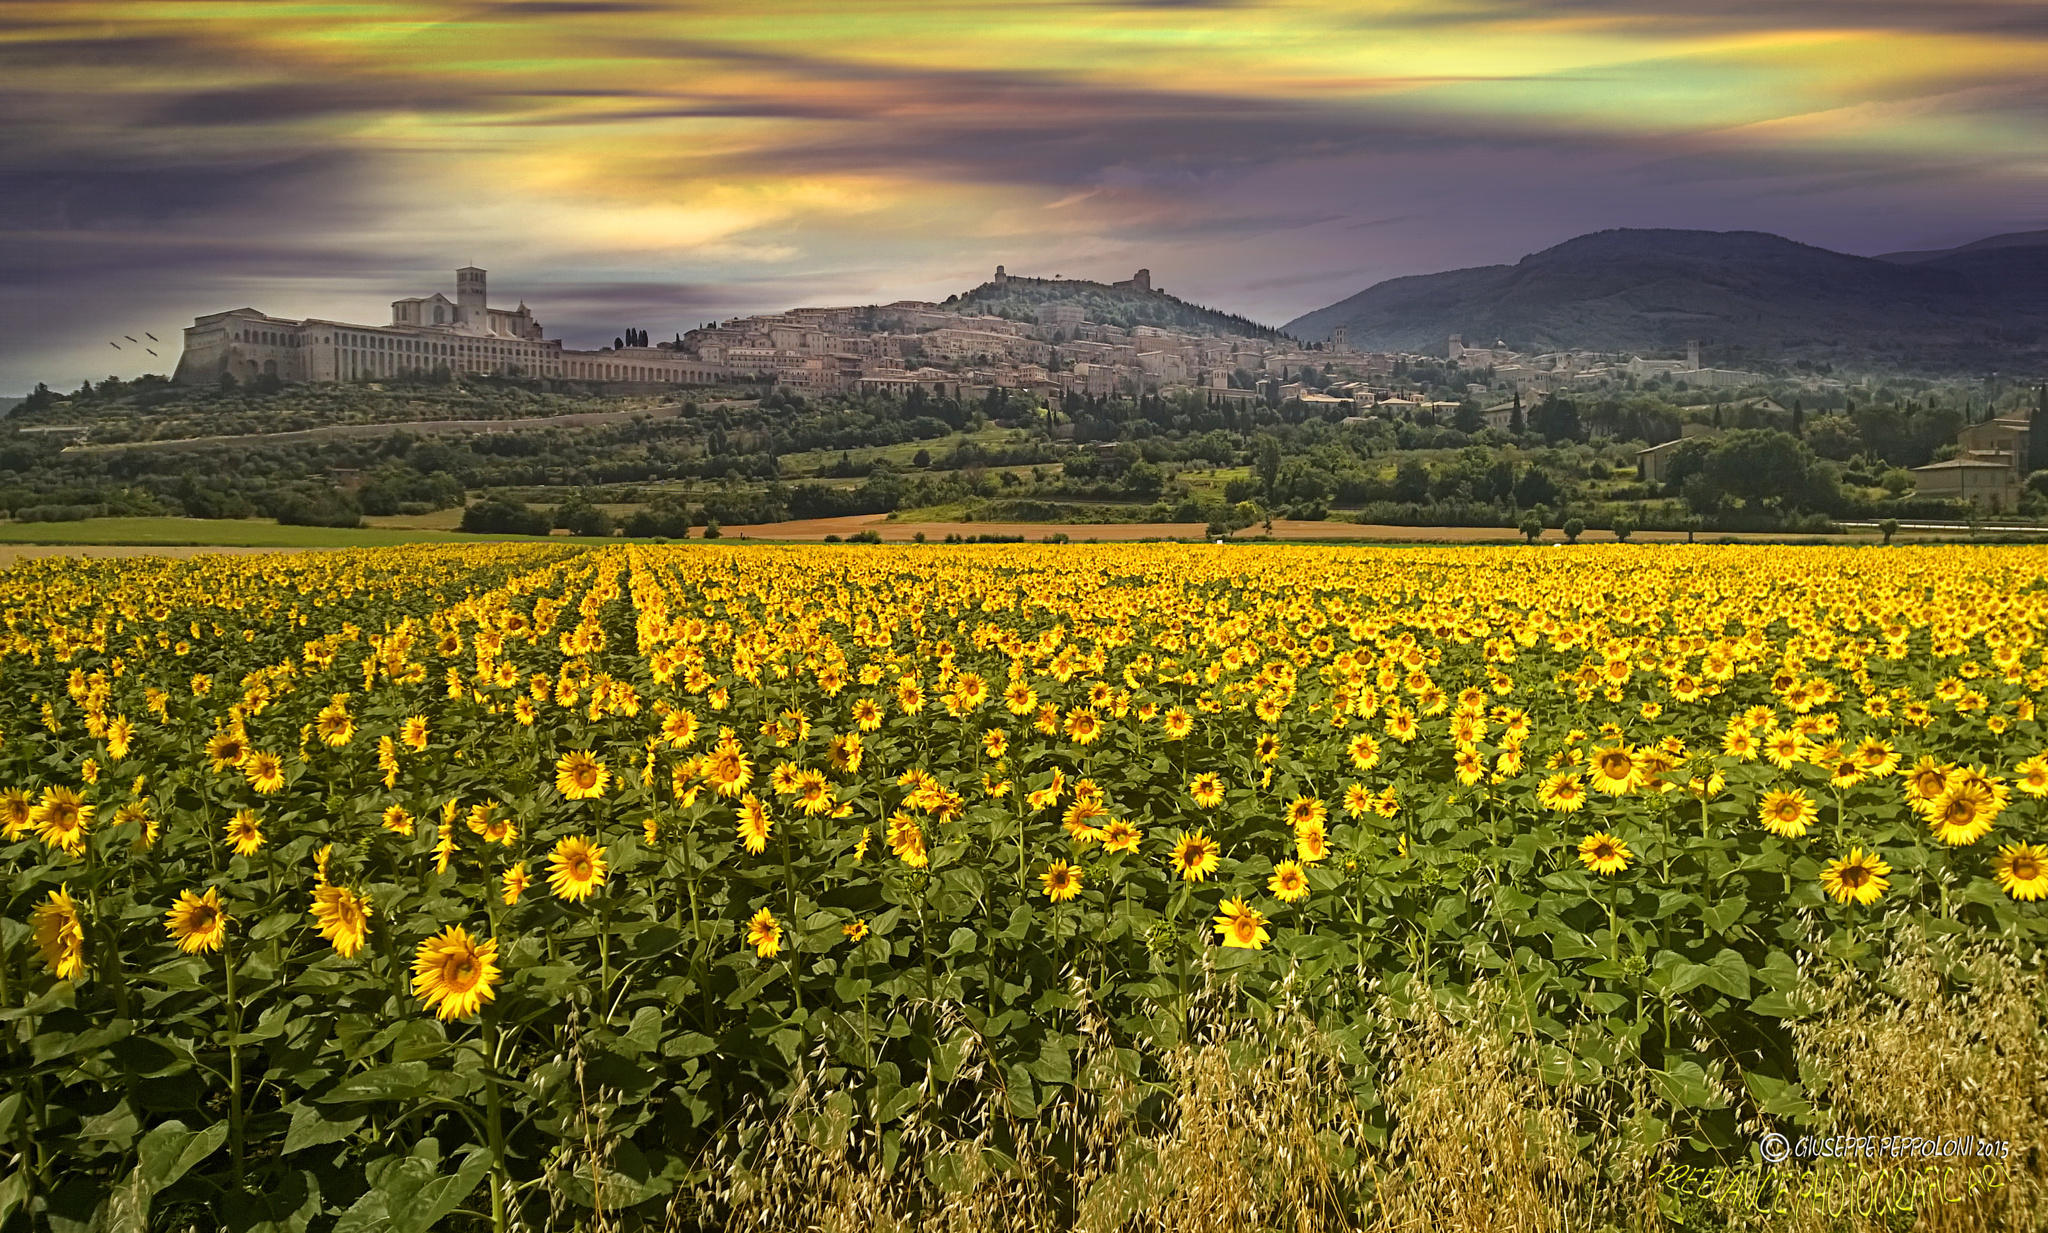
pixel 659 163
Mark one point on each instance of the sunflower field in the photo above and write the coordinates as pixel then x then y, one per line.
pixel 534 886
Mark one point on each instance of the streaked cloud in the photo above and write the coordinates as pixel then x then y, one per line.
pixel 658 162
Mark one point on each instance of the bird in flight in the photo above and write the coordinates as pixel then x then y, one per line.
pixel 132 338
pixel 111 343
pixel 151 337
pixel 152 352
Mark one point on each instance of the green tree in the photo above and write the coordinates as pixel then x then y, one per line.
pixel 1624 526
pixel 1268 467
pixel 1889 527
pixel 1556 419
pixel 1531 528
pixel 1573 528
pixel 1411 482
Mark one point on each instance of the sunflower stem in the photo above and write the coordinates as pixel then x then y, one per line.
pixel 495 1115
pixel 234 1063
pixel 690 882
pixel 604 955
pixel 796 991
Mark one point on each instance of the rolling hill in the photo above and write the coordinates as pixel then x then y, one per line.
pixel 1019 299
pixel 1751 298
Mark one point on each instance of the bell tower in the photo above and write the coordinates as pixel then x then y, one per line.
pixel 469 296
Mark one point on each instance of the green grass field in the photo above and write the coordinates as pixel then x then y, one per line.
pixel 231 533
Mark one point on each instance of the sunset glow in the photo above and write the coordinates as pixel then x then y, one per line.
pixel 660 163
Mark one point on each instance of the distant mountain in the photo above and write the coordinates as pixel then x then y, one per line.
pixel 1751 298
pixel 1020 298
pixel 2012 268
pixel 2011 239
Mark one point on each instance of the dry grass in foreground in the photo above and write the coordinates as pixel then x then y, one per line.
pixel 1445 1121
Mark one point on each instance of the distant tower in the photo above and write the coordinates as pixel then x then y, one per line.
pixel 1001 277
pixel 1692 355
pixel 1142 280
pixel 469 295
pixel 1340 339
pixel 1456 347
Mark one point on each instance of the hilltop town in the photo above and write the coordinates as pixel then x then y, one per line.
pixel 1048 339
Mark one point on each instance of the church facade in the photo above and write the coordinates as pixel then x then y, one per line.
pixel 464 334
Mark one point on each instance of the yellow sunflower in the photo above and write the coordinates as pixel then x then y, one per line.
pixel 2022 870
pixel 906 840
pixel 1062 881
pixel 226 749
pixel 335 726
pixel 59 934
pixel 581 776
pixel 1925 780
pixel 1240 926
pixel 2031 776
pixel 1787 813
pixel 1084 727
pixel 1206 789
pixel 1615 771
pixel 1876 756
pixel 813 794
pixel 16 813
pixel 754 826
pixel 1195 856
pixel 344 918
pixel 245 832
pixel 1859 876
pixel 1961 815
pixel 1604 854
pixel 62 818
pixel 455 974
pixel 1562 792
pixel 1306 810
pixel 728 770
pixel 1311 842
pixel 764 934
pixel 1119 835
pixel 576 868
pixel 515 882
pixel 197 922
pixel 1289 882
pixel 265 771
pixel 679 728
